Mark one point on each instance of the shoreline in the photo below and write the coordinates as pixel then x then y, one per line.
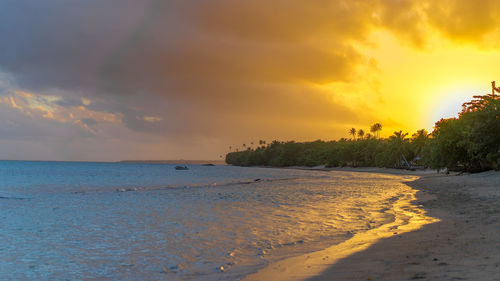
pixel 457 246
pixel 376 170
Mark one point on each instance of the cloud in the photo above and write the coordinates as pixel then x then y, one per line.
pixel 161 46
pixel 152 119
pixel 55 108
pixel 404 18
pixel 21 125
pixel 89 121
pixel 200 69
pixel 464 20
pixel 178 48
pixel 69 102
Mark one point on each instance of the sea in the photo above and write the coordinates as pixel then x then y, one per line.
pixel 129 221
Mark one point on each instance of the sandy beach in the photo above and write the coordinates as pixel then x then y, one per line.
pixel 458 240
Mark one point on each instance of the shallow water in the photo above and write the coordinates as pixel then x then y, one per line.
pixel 121 221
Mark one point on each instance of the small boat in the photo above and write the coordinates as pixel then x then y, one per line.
pixel 181 168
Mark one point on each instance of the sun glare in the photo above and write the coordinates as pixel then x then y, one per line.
pixel 449 99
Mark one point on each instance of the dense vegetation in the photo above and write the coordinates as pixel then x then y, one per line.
pixel 470 143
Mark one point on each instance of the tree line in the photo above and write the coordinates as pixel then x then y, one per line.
pixel 469 142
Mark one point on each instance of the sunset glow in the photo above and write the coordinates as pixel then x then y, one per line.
pixel 188 79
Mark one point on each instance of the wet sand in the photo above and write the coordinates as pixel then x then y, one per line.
pixel 462 244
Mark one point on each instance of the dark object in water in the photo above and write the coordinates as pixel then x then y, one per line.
pixel 12 198
pixel 181 168
pixel 256 180
pixel 209 164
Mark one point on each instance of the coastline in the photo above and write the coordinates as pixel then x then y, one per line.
pixel 462 244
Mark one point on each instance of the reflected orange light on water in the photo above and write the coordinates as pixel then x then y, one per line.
pixel 407 217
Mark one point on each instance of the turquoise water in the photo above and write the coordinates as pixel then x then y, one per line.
pixel 122 221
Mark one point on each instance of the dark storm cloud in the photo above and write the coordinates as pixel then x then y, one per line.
pixel 163 47
pixel 59 43
pixel 158 46
pixel 170 66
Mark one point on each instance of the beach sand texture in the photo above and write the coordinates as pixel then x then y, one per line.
pixel 461 243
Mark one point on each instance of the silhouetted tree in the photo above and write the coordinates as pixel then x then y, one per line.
pixel 419 140
pixel 352 131
pixel 470 142
pixel 361 133
pixel 376 128
pixel 399 147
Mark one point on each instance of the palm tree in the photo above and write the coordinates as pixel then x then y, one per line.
pixel 361 133
pixel 400 136
pixel 376 128
pixel 398 141
pixel 352 131
pixel 420 133
pixel 418 141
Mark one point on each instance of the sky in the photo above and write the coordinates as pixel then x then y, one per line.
pixel 108 80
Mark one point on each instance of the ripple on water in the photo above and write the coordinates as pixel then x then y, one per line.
pixel 178 226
